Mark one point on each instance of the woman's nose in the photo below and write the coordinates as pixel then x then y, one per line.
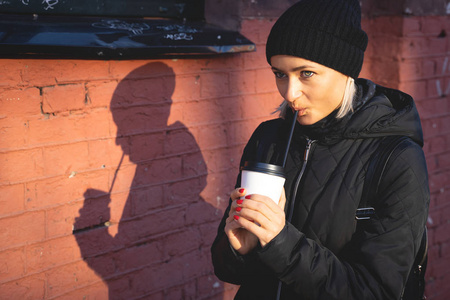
pixel 293 90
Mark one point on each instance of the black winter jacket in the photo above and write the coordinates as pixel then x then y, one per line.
pixel 323 252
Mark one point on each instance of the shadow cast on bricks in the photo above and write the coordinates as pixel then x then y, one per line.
pixel 159 245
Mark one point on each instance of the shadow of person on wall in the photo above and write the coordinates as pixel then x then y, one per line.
pixel 161 246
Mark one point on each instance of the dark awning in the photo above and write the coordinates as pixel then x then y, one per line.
pixel 113 38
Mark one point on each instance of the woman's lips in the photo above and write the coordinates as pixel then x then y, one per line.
pixel 301 111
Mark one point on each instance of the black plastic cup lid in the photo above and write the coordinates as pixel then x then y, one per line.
pixel 264 168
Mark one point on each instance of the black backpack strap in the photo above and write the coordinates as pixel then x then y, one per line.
pixel 415 286
pixel 377 165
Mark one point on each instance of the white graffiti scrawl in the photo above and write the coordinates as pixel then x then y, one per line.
pixel 179 36
pixel 135 28
pixel 440 91
pixel 50 4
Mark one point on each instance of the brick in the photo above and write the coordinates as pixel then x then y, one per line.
pixel 161 221
pixel 265 81
pixel 433 25
pixel 100 94
pixel 136 257
pixel 93 211
pixel 444 160
pixel 61 219
pixel 126 178
pixel 12 70
pixel 214 85
pixel 430 68
pixel 64 189
pixel 186 88
pixel 148 146
pixel 21 165
pixel 27 288
pixel 181 242
pixel 431 108
pixel 20 102
pixel 51 254
pixel 159 171
pixel 412 47
pixel 69 128
pixel 20 229
pixel 200 113
pixel 410 70
pixel 140 69
pixel 176 113
pixel 107 153
pixel 143 119
pixel 121 287
pixel 438 180
pixel 64 159
pixel 183 191
pixel 12 264
pixel 195 264
pixel 143 200
pixel 200 212
pixel 193 165
pixel 12 199
pixel 97 241
pixel 439 144
pixel 14 132
pixel 437 46
pixel 214 136
pixel 150 91
pixel 244 82
pixel 156 278
pixel 63 71
pixel 63 98
pixel 417 89
pixel 412 26
pixel 256 60
pixel 387 25
pixel 256 30
pixel 69 277
pixel 96 291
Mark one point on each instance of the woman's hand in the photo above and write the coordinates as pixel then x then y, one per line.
pixel 240 239
pixel 254 218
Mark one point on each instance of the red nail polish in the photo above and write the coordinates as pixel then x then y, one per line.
pixel 241 190
pixel 239 201
pixel 236 217
pixel 238 209
pixel 247 197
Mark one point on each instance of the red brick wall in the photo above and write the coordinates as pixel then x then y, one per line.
pixel 181 126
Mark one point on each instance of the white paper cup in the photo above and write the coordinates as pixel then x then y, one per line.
pixel 263 179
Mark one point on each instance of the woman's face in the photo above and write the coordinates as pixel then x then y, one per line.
pixel 312 89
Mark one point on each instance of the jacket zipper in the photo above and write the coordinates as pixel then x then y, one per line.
pixel 294 195
pixel 299 177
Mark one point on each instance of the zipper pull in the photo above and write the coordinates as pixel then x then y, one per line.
pixel 307 150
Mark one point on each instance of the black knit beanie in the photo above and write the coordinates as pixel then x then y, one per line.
pixel 324 31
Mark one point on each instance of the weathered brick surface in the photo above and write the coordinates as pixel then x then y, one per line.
pixel 178 127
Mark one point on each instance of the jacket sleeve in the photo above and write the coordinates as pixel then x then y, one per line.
pixel 229 265
pixel 379 256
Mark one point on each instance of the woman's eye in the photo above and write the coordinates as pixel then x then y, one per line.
pixel 306 74
pixel 279 74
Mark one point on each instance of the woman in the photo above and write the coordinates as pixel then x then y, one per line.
pixel 310 245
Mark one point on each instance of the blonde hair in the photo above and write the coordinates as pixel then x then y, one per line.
pixel 346 105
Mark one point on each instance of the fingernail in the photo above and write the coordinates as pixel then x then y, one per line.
pixel 247 197
pixel 241 190
pixel 236 217
pixel 239 201
pixel 238 209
